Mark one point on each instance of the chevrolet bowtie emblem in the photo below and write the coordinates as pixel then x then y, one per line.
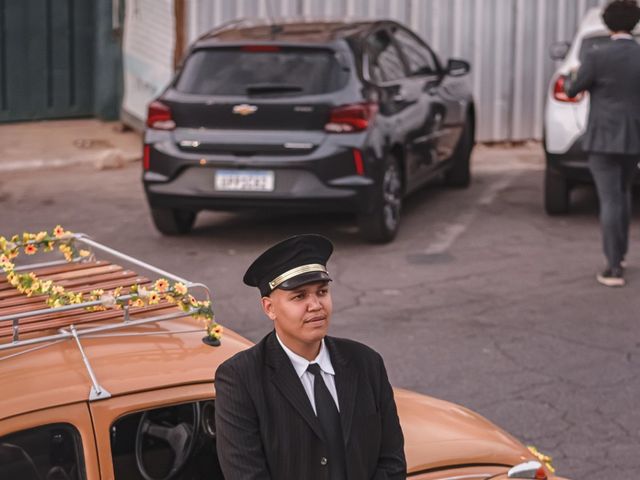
pixel 244 109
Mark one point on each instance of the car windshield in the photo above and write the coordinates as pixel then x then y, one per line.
pixel 256 71
pixel 594 43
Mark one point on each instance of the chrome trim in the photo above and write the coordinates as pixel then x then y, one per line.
pixel 298 146
pixel 311 267
pixel 190 143
pixel 526 470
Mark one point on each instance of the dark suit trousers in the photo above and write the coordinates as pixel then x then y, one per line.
pixel 613 175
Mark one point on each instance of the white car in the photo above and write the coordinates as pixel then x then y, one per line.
pixel 565 119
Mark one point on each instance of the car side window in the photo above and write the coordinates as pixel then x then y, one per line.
pixel 51 452
pixel 385 62
pixel 173 441
pixel 420 58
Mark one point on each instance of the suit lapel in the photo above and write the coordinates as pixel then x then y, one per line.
pixel 346 385
pixel 285 378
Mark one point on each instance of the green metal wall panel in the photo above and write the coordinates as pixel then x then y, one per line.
pixel 46 59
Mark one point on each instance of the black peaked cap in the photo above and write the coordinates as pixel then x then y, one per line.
pixel 293 262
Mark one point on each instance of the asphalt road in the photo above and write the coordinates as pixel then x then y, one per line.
pixel 482 299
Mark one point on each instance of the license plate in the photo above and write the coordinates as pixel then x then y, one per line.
pixel 244 180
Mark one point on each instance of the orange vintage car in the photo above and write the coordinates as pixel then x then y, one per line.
pixel 108 374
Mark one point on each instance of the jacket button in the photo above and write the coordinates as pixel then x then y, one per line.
pixel 323 461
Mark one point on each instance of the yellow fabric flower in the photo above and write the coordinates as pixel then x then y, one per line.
pixel 138 303
pixel 161 285
pixel 180 288
pixel 30 249
pixel 154 298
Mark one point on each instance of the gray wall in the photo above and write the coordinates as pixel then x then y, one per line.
pixel 507 42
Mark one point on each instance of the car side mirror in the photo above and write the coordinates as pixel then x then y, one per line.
pixel 559 50
pixel 457 68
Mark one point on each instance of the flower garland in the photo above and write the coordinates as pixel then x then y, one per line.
pixel 138 295
pixel 546 459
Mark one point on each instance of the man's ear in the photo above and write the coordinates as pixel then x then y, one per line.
pixel 267 307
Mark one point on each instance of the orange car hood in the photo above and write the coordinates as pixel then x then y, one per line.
pixel 440 434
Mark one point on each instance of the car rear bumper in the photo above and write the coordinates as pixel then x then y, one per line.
pixel 194 189
pixel 573 164
pixel 325 179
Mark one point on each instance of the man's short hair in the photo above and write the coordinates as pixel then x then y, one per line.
pixel 621 15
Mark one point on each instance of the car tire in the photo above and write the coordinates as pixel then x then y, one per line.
pixel 459 173
pixel 170 221
pixel 556 193
pixel 381 224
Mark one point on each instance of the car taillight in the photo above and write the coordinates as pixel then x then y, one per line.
pixel 560 95
pixel 351 118
pixel 145 157
pixel 159 116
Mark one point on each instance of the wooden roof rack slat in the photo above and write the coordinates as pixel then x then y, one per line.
pixel 51 312
pixel 46 272
pixel 7 303
pixel 126 277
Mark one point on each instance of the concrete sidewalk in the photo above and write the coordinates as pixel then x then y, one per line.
pixel 62 143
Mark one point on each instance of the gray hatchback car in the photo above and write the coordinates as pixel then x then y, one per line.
pixel 307 116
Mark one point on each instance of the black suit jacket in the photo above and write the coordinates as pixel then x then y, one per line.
pixel 611 75
pixel 266 427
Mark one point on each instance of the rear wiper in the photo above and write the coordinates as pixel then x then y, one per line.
pixel 272 88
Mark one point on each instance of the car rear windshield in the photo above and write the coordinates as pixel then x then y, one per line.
pixel 594 43
pixel 261 71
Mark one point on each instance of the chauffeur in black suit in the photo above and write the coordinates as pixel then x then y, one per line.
pixel 611 75
pixel 301 405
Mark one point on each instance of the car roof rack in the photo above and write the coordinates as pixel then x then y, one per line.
pixel 102 275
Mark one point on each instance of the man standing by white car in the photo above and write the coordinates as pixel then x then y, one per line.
pixel 611 75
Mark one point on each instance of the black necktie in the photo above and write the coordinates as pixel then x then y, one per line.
pixel 329 417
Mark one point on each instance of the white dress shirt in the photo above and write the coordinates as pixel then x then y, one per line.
pixel 300 365
pixel 621 36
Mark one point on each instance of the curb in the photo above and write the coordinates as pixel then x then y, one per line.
pixel 108 159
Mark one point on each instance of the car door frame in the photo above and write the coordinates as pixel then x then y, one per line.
pixel 395 109
pixel 106 412
pixel 437 132
pixel 77 415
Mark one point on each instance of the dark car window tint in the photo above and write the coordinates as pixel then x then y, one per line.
pixel 595 43
pixel 385 63
pixel 418 57
pixel 226 71
pixel 150 439
pixel 47 452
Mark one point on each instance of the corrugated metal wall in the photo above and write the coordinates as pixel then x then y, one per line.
pixel 507 42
